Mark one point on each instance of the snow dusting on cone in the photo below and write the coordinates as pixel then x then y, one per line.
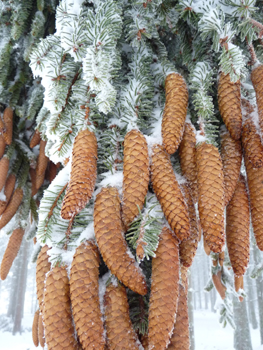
pixel 35 329
pixel 257 81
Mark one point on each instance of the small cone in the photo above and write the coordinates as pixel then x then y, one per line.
pixel 111 243
pixel 168 193
pixel 35 139
pixel 164 291
pixel 41 332
pixel 120 333
pixel 2 146
pixel 188 247
pixel 35 329
pixel 219 285
pixel 180 339
pixel 4 166
pixel 210 179
pixel 176 100
pixel 12 207
pixel 238 283
pixel 84 294
pixel 187 158
pixel 42 162
pixel 39 181
pixel 8 121
pixel 11 251
pixel 59 329
pixel 82 176
pixel 237 228
pixel 135 175
pixel 252 144
pixel 257 81
pixel 229 103
pixel 231 154
pixel 42 268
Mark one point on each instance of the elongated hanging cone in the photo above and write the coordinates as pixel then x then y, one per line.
pixel 175 110
pixel 257 81
pixel 237 228
pixel 120 333
pixel 51 171
pixel 135 175
pixel 8 122
pixel 84 295
pixel 35 140
pixel 42 268
pixel 187 158
pixel 164 291
pixel 252 143
pixel 231 155
pixel 168 193
pixel 220 287
pixel 4 166
pixel 188 247
pixel 229 103
pixel 180 338
pixel 12 207
pixel 41 331
pixel 42 162
pixel 111 243
pixel 11 251
pixel 2 145
pixel 210 180
pixel 82 176
pixel 59 329
pixel 35 329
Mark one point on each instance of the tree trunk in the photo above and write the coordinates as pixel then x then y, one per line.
pixel 242 338
pixel 191 313
pixel 14 283
pixel 249 287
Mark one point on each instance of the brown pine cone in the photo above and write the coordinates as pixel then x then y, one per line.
pixel 9 188
pixel 144 341
pixel 4 166
pixel 111 243
pixel 221 258
pixel 8 122
pixel 135 175
pixel 164 291
pixel 229 103
pixel 11 251
pixel 35 329
pixel 51 171
pixel 35 140
pixel 41 331
pixel 231 154
pixel 176 100
pixel 187 158
pixel 42 268
pixel 237 228
pixel 84 295
pixel 2 145
pixel 120 333
pixel 251 143
pixel 257 81
pixel 34 189
pixel 168 193
pixel 188 247
pixel 82 176
pixel 59 329
pixel 206 248
pixel 180 338
pixel 42 162
pixel 210 180
pixel 12 207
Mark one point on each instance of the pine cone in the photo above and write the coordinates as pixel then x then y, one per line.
pixel 231 154
pixel 144 341
pixel 51 171
pixel 42 268
pixel 210 180
pixel 35 140
pixel 168 193
pixel 187 158
pixel 180 339
pixel 120 333
pixel 206 248
pixel 59 329
pixel 35 329
pixel 239 283
pixel 257 81
pixel 41 331
pixel 9 188
pixel 229 103
pixel 11 251
pixel 84 295
pixel 42 162
pixel 164 291
pixel 111 243
pixel 135 175
pixel 12 207
pixel 221 258
pixel 251 143
pixel 4 166
pixel 82 176
pixel 34 189
pixel 2 145
pixel 175 111
pixel 188 247
pixel 8 122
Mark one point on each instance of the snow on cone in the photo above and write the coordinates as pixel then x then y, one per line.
pixel 82 176
pixel 210 180
pixel 251 143
pixel 42 162
pixel 231 155
pixel 12 207
pixel 188 247
pixel 237 228
pixel 239 283
pixel 35 329
pixel 84 295
pixel 4 166
pixel 59 329
pixel 11 251
pixel 119 330
pixel 229 103
pixel 180 338
pixel 135 175
pixel 257 81
pixel 111 243
pixel 187 158
pixel 2 145
pixel 164 291
pixel 35 140
pixel 42 268
pixel 8 122
pixel 41 331
pixel 168 193
pixel 176 100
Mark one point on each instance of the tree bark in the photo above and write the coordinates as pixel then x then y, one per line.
pixel 249 287
pixel 242 337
